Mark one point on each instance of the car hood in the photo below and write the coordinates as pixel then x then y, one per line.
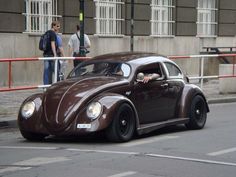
pixel 63 100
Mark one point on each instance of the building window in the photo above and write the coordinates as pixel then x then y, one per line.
pixel 162 18
pixel 206 19
pixel 39 15
pixel 109 17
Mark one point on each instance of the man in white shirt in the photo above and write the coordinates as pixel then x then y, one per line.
pixel 74 45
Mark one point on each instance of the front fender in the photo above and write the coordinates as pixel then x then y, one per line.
pixel 189 92
pixel 110 103
pixel 34 123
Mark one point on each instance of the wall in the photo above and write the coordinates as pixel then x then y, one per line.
pixel 11 18
pixel 227 18
pixel 14 43
pixel 23 45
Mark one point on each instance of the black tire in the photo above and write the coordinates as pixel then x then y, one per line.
pixel 32 136
pixel 197 114
pixel 123 125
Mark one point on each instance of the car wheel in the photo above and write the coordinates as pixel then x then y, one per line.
pixel 32 136
pixel 122 127
pixel 198 113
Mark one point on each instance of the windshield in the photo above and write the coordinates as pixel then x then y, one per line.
pixel 101 68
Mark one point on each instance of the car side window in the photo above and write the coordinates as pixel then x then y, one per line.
pixel 173 70
pixel 125 69
pixel 152 69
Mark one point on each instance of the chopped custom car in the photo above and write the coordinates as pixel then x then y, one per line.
pixel 108 94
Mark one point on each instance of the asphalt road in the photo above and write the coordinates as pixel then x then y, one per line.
pixel 169 152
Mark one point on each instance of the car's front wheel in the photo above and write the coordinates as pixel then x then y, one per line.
pixel 32 136
pixel 122 127
pixel 197 114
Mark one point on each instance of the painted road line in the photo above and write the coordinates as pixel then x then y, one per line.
pixel 103 151
pixel 221 152
pixel 146 141
pixel 128 173
pixel 157 155
pixel 28 164
pixel 12 168
pixel 28 147
pixel 192 159
pixel 150 155
pixel 41 161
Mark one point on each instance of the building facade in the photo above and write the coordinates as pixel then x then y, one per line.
pixel 167 27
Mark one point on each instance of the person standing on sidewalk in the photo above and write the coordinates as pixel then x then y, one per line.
pixel 50 52
pixel 60 53
pixel 74 45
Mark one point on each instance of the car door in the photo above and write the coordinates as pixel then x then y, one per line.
pixel 175 84
pixel 152 98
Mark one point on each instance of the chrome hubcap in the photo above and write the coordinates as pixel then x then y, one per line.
pixel 198 112
pixel 123 122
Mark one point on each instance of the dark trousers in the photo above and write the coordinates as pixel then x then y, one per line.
pixel 76 62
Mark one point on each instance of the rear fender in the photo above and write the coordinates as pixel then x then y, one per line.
pixel 184 104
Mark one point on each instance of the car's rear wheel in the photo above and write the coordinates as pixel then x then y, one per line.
pixel 198 113
pixel 122 127
pixel 32 136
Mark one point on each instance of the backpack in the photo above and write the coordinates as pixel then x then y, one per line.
pixel 44 41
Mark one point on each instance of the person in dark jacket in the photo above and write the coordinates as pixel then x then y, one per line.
pixel 50 52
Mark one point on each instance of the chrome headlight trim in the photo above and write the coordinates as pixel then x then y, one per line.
pixel 28 109
pixel 94 109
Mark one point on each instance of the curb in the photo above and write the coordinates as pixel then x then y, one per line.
pixel 221 100
pixel 8 124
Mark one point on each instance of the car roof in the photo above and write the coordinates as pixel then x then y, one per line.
pixel 136 58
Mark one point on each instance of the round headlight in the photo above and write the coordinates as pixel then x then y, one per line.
pixel 28 109
pixel 94 110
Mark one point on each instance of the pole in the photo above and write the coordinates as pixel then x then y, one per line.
pixel 81 20
pixel 132 27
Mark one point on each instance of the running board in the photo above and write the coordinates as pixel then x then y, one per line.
pixel 146 128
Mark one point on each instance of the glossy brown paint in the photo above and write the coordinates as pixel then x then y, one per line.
pixel 156 104
pixel 61 108
pixel 184 103
pixel 110 104
pixel 34 123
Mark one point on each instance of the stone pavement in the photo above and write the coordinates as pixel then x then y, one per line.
pixel 9 105
pixel 10 101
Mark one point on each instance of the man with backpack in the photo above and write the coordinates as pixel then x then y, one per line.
pixel 49 46
pixel 74 44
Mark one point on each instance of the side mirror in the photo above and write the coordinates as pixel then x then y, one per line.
pixel 140 77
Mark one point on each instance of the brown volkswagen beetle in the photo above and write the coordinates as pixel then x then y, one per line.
pixel 120 94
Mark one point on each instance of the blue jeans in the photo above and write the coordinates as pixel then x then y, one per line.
pixel 48 70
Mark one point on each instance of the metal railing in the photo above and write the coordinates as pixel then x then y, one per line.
pixel 10 87
pixel 201 69
pixel 201 75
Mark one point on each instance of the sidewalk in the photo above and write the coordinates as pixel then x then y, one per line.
pixel 10 101
pixel 9 106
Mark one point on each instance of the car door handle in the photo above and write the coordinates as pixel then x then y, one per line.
pixel 165 85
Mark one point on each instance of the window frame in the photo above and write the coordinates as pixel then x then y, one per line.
pixel 150 67
pixel 179 76
pixel 108 17
pixel 39 15
pixel 206 18
pixel 162 23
